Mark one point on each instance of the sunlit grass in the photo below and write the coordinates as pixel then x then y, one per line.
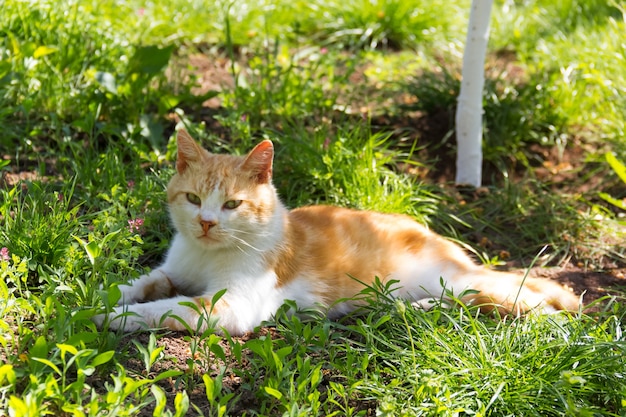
pixel 88 108
pixel 576 51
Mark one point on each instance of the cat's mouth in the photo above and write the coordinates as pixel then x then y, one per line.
pixel 207 238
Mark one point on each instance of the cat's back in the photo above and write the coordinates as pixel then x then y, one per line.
pixel 333 244
pixel 328 219
pixel 336 231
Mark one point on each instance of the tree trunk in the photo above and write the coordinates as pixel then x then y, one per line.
pixel 470 103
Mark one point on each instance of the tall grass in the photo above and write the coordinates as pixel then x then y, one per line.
pixel 574 49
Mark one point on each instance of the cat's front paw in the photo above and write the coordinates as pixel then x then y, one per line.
pixel 130 294
pixel 153 286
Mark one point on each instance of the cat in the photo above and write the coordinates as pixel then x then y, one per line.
pixel 233 233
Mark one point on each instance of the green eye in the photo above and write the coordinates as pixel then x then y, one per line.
pixel 232 204
pixel 193 199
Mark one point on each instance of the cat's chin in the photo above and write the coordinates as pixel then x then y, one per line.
pixel 202 241
pixel 207 240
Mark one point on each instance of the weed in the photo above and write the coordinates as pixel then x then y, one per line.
pixel 620 170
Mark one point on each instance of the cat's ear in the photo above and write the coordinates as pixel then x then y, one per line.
pixel 259 161
pixel 188 151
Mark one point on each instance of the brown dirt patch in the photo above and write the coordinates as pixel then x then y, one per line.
pixel 593 284
pixel 211 75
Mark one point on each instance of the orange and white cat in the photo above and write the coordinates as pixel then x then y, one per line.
pixel 233 233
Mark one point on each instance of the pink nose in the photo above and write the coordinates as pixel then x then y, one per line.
pixel 207 224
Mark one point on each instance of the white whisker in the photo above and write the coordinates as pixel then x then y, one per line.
pixel 245 232
pixel 238 239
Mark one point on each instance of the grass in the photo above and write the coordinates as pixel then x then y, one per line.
pixel 357 97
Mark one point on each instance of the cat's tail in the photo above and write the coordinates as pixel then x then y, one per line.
pixel 511 293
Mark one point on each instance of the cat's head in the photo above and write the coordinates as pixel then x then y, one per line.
pixel 223 200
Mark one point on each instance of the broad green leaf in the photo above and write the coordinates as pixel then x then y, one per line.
pixel 39 349
pixel 92 249
pixel 618 167
pixel 209 386
pixel 316 376
pixel 217 296
pixel 110 236
pixel 73 410
pixel 44 50
pixel 273 392
pixel 284 351
pixel 113 295
pixel 17 407
pixel 102 358
pixel 82 338
pixel 614 201
pixel 169 101
pixel 49 364
pixel 154 355
pixel 15 45
pixel 27 48
pixel 63 347
pixel 7 372
pixel 150 60
pixel 256 346
pixel 217 350
pixel 79 316
pixel 181 404
pixel 160 399
pixel 167 374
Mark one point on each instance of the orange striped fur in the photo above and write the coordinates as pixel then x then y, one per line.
pixel 233 233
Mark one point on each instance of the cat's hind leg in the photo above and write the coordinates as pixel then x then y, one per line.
pixel 517 294
pixel 509 293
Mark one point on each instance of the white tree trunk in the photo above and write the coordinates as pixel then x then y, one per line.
pixel 469 124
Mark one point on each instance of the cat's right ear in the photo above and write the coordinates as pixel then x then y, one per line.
pixel 188 151
pixel 259 161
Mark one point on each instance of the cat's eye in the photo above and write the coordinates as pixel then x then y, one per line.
pixel 193 199
pixel 232 204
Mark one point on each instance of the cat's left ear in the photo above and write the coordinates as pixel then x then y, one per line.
pixel 259 161
pixel 188 151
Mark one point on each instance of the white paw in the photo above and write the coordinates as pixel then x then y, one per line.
pixel 424 304
pixel 130 294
